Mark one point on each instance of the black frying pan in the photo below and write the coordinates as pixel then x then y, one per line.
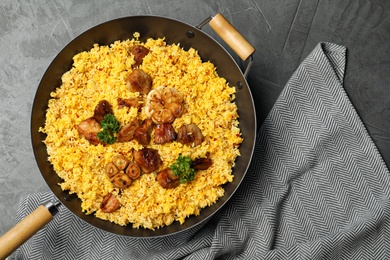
pixel 174 32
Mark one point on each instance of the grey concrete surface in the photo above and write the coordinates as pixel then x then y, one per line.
pixel 283 32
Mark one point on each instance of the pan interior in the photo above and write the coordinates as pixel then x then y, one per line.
pixel 149 27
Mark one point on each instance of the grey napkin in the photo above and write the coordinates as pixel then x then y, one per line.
pixel 317 188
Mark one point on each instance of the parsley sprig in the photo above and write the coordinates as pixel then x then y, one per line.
pixel 110 126
pixel 182 169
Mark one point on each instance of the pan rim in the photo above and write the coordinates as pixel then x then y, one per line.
pixel 64 202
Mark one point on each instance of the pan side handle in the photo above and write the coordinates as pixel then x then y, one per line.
pixel 26 228
pixel 231 36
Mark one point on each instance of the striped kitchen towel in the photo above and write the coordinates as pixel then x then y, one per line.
pixel 317 188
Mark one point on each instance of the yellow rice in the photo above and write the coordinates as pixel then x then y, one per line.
pixel 100 74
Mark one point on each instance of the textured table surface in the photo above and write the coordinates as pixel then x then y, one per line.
pixel 283 33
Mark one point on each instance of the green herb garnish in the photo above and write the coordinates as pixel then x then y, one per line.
pixel 110 123
pixel 106 137
pixel 110 126
pixel 182 169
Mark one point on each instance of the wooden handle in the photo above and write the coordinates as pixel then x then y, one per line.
pixel 231 36
pixel 25 229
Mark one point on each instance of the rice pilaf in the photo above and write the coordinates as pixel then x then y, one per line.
pixel 99 74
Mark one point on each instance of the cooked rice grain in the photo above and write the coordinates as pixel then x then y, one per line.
pixel 100 74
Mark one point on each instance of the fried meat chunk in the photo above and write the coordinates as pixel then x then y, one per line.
pixel 167 179
pixel 139 52
pixel 102 108
pixel 110 203
pixel 164 133
pixel 126 132
pixel 143 133
pixel 148 159
pixel 139 81
pixel 190 135
pixel 89 129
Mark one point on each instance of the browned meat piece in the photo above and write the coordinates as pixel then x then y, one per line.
pixel 139 52
pixel 201 164
pixel 120 162
pixel 102 108
pixel 111 169
pixel 143 133
pixel 133 170
pixel 131 102
pixel 190 135
pixel 167 179
pixel 121 180
pixel 164 133
pixel 126 132
pixel 139 81
pixel 110 203
pixel 89 129
pixel 147 159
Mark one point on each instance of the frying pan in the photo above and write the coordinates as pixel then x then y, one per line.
pixel 149 27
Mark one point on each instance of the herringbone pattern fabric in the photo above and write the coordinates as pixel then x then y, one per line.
pixel 317 188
